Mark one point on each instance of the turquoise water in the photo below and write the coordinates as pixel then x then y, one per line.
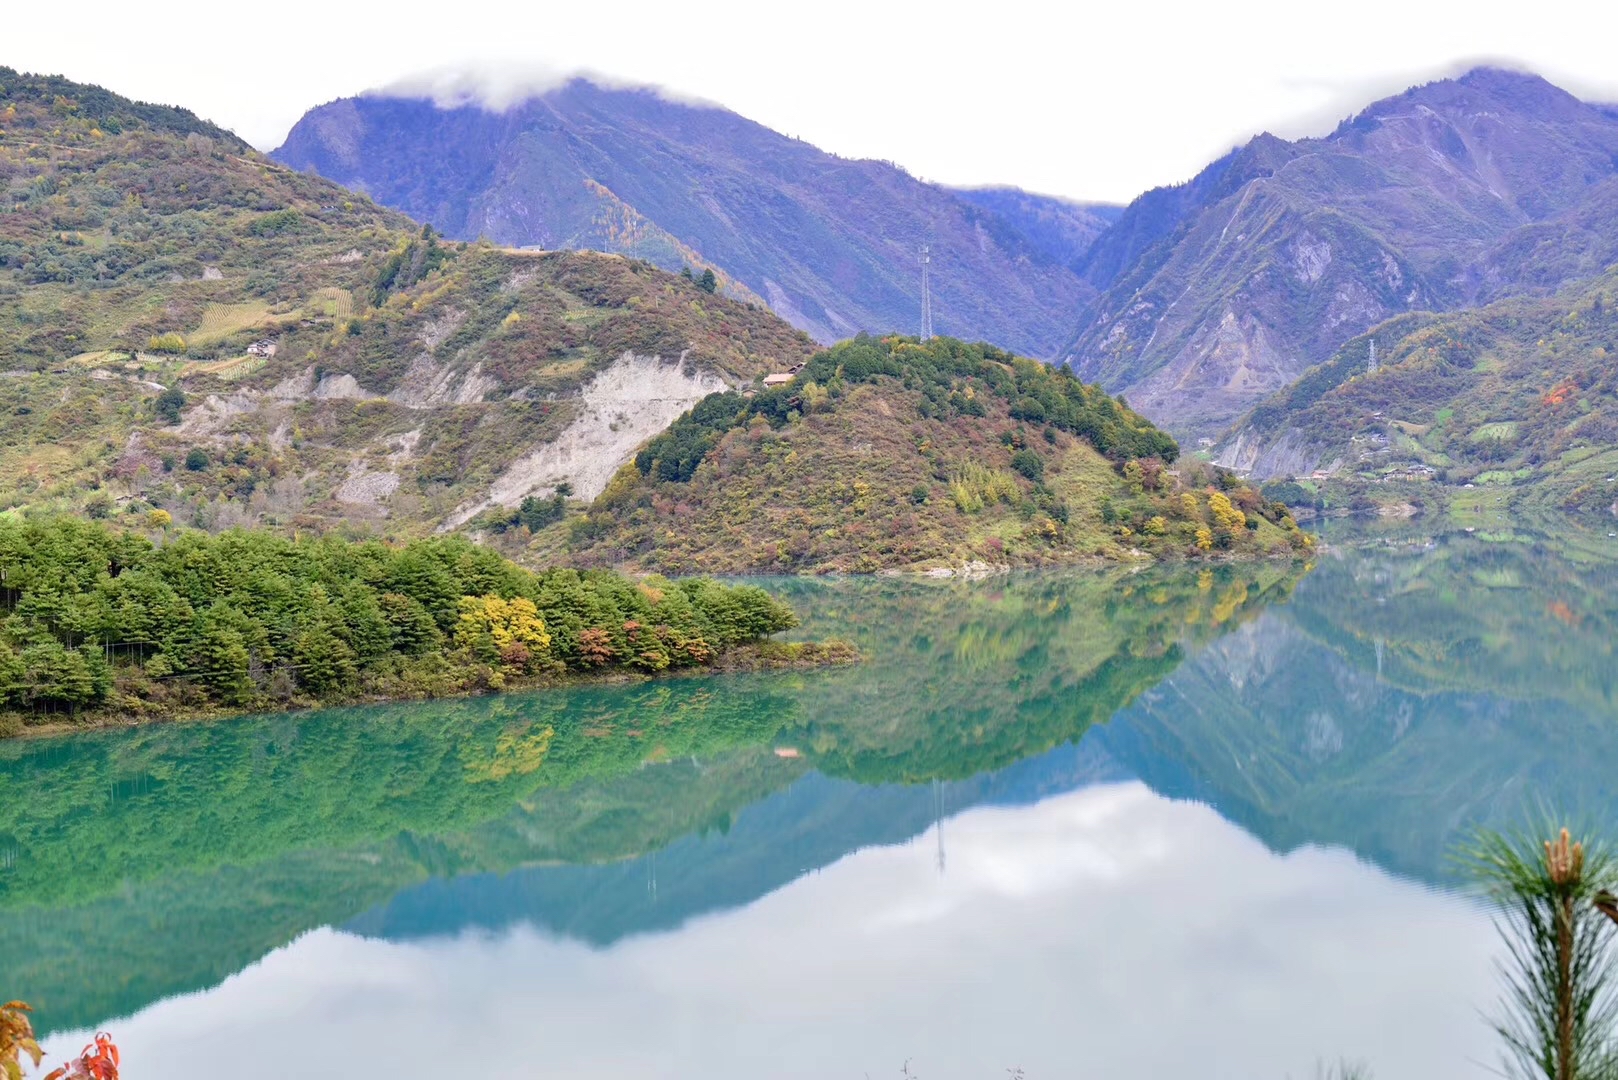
pixel 1077 823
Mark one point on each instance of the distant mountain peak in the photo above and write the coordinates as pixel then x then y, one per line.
pixel 1482 88
pixel 1497 78
pixel 499 88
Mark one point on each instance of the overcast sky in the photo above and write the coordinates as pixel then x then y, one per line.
pixel 1096 101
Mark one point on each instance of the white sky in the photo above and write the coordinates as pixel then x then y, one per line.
pixel 1088 100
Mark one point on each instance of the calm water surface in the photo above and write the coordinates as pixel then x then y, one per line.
pixel 1083 824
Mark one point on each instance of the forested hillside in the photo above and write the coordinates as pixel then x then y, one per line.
pixel 187 326
pixel 1519 398
pixel 893 453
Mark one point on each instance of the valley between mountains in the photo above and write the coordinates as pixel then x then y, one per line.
pixel 576 552
pixel 355 335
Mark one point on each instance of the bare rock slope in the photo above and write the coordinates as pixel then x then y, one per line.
pixel 1224 290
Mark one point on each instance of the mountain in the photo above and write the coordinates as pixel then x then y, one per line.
pixel 897 454
pixel 1221 291
pixel 1062 229
pixel 1519 398
pixel 186 325
pixel 830 243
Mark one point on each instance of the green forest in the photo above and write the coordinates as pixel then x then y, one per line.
pixel 951 375
pixel 107 620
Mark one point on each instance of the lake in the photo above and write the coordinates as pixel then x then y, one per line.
pixel 1185 821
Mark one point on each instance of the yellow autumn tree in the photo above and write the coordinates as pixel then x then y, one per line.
pixel 814 396
pixel 1204 538
pixel 1225 514
pixel 508 631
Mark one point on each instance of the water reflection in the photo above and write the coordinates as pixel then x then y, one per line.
pixel 766 845
pixel 646 852
pixel 253 831
pixel 1105 932
pixel 1417 685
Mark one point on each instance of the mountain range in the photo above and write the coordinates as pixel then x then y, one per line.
pixel 329 360
pixel 195 333
pixel 831 244
pixel 186 326
pixel 1196 301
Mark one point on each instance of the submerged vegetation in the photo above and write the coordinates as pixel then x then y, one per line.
pixel 107 621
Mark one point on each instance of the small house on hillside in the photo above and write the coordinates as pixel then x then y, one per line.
pixel 781 378
pixel 264 349
pixel 1408 472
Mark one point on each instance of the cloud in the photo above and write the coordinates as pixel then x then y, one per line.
pixel 499 85
pixel 1342 98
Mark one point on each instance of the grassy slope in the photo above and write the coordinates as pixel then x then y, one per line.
pixel 125 224
pixel 1519 398
pixel 909 470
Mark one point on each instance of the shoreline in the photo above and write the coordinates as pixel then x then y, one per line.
pixel 977 569
pixel 763 656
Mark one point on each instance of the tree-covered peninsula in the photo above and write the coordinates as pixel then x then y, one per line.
pixel 103 624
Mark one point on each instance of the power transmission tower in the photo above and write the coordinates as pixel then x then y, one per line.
pixel 1371 367
pixel 926 293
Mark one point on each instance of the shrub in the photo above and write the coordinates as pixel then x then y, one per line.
pixel 168 404
pixel 1029 464
pixel 276 223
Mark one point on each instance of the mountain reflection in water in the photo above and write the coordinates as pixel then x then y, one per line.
pixel 545 852
pixel 1107 931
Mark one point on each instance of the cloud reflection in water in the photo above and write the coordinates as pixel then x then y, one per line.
pixel 1108 932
